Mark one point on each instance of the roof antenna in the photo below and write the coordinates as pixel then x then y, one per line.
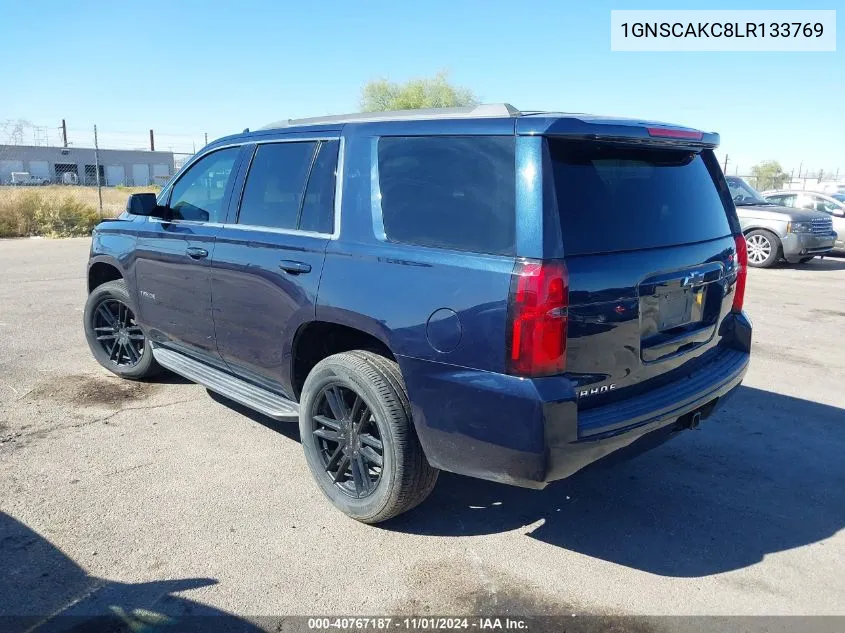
pixel 246 131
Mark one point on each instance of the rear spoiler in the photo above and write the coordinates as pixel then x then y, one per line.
pixel 623 131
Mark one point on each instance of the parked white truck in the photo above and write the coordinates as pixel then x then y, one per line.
pixel 24 179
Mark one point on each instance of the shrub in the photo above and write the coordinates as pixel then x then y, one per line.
pixel 28 213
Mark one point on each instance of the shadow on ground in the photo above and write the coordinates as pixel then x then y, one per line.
pixel 827 263
pixel 43 588
pixel 765 475
pixel 290 429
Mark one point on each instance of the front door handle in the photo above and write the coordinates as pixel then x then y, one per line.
pixel 294 267
pixel 195 252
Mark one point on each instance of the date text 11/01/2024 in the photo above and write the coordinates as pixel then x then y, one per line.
pixel 416 624
pixel 722 29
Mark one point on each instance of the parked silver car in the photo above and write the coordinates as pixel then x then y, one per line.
pixel 832 204
pixel 774 232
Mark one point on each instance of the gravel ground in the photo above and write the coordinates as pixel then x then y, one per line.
pixel 160 495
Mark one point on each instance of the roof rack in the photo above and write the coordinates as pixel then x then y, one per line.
pixel 466 112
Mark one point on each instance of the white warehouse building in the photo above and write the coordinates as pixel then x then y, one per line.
pixel 117 167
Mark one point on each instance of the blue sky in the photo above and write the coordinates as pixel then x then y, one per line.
pixel 189 67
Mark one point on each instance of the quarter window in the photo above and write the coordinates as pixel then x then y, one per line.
pixel 275 186
pixel 199 194
pixel 449 191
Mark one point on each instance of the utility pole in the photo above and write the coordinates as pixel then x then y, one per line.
pixel 725 168
pixel 64 133
pixel 97 168
pixel 152 142
pixel 206 138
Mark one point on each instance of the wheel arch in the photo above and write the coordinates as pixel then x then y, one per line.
pixel 318 339
pixel 102 269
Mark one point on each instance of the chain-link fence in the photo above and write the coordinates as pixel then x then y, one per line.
pixel 36 155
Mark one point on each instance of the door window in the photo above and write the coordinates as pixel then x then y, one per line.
pixel 828 206
pixel 318 208
pixel 198 195
pixel 275 186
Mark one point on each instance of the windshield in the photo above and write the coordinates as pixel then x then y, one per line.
pixel 743 194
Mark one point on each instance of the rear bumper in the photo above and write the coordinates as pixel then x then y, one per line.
pixel 530 432
pixel 797 246
pixel 624 424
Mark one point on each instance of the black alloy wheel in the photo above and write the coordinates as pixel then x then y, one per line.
pixel 116 331
pixel 348 439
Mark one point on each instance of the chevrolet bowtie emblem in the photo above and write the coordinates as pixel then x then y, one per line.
pixel 692 279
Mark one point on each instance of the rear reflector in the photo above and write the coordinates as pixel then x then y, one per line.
pixel 741 272
pixel 667 132
pixel 537 318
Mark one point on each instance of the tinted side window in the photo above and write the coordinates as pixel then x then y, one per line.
pixel 613 198
pixel 198 194
pixel 318 207
pixel 275 184
pixel 449 191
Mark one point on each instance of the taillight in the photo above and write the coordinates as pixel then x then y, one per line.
pixel 668 132
pixel 537 318
pixel 741 271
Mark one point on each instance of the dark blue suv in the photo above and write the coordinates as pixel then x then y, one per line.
pixel 502 294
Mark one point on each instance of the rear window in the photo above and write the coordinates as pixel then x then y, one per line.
pixel 613 198
pixel 449 192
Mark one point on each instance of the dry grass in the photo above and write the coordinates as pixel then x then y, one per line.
pixel 58 210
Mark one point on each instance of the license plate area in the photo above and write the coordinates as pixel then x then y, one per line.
pixel 680 307
pixel 679 311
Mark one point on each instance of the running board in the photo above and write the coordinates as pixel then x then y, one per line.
pixel 247 394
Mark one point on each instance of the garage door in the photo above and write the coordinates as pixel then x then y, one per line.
pixel 7 167
pixel 115 175
pixel 40 168
pixel 160 174
pixel 140 175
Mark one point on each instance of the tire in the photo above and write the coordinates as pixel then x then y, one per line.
pixel 117 342
pixel 375 492
pixel 804 260
pixel 764 248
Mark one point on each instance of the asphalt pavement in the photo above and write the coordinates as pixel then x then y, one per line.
pixel 164 496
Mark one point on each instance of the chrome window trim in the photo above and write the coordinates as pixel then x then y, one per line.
pixel 338 193
pixel 187 222
pixel 270 229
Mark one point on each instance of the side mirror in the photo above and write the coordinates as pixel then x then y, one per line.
pixel 144 204
pixel 839 213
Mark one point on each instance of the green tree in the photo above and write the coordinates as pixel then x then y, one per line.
pixel 769 175
pixel 429 92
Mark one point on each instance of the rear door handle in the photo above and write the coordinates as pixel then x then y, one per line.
pixel 294 267
pixel 195 252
